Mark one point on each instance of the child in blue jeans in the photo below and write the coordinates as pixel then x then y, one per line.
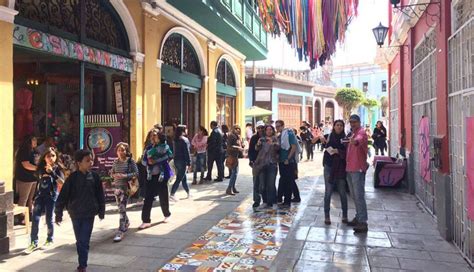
pixel 49 175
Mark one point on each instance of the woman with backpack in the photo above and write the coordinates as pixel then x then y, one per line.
pixel 124 172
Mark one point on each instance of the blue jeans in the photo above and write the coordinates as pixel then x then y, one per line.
pixel 46 205
pixel 200 163
pixel 233 177
pixel 82 231
pixel 356 182
pixel 340 183
pixel 267 177
pixel 180 177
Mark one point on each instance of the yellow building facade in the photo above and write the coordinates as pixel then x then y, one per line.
pixel 148 27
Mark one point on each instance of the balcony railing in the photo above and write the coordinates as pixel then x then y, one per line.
pixel 248 17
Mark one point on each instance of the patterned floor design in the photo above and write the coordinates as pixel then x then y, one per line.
pixel 242 241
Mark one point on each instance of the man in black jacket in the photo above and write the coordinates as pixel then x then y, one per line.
pixel 214 153
pixel 83 196
pixel 258 188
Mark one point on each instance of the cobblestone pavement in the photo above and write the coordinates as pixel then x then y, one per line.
pixel 402 236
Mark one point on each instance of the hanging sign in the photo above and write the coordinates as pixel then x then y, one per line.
pixel 102 133
pixel 470 166
pixel 45 42
pixel 424 141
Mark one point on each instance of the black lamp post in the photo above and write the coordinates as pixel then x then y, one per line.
pixel 380 33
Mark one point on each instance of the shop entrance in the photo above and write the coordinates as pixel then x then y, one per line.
pixel 47 101
pixel 180 106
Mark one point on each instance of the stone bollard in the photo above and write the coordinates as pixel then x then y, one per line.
pixel 6 219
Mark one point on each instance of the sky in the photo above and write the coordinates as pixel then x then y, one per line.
pixel 359 46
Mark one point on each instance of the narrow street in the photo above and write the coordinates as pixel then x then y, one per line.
pixel 214 231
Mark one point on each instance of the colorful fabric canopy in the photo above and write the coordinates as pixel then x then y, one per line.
pixel 312 27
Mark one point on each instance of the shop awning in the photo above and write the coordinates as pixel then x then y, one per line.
pixel 255 111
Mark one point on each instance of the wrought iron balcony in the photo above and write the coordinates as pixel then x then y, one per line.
pixel 234 21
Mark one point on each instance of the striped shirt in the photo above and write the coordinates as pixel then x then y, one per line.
pixel 124 167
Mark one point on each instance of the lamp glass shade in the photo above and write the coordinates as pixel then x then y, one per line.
pixel 380 33
pixel 395 2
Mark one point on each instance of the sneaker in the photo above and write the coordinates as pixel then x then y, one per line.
pixel 218 180
pixel 47 244
pixel 118 237
pixel 32 247
pixel 173 198
pixel 296 200
pixel 144 226
pixel 344 220
pixel 361 228
pixel 352 223
pixel 327 221
pixel 189 196
pixel 81 269
pixel 166 220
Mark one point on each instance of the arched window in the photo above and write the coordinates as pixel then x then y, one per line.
pixel 179 53
pixel 329 111
pixel 317 112
pixel 225 74
pixel 92 22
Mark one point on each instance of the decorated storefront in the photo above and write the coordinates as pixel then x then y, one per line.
pixel 67 69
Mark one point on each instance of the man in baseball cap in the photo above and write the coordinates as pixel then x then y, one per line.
pixel 258 193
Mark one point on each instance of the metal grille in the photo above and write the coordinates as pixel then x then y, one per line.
pixel 462 12
pixel 424 104
pixel 393 128
pixel 461 105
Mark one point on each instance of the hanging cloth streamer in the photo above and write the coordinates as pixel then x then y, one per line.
pixel 312 27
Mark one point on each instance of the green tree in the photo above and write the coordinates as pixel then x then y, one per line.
pixel 369 104
pixel 348 99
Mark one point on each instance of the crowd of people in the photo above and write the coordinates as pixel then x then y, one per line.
pixel 46 188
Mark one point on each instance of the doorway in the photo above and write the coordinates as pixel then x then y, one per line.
pixel 180 105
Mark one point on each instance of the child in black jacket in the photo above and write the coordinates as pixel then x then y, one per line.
pixel 83 197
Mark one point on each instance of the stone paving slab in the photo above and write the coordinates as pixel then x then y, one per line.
pixel 401 237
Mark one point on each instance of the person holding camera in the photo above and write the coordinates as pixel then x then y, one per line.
pixel 258 187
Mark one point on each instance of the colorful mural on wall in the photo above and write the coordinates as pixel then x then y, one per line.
pixel 35 39
pixel 424 140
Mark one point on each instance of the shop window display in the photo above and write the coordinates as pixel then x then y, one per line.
pixel 47 99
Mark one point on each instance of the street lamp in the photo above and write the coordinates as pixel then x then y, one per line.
pixel 380 33
pixel 395 3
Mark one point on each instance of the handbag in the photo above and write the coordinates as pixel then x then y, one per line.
pixel 133 184
pixel 231 162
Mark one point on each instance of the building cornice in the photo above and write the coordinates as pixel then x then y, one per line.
pixel 7 14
